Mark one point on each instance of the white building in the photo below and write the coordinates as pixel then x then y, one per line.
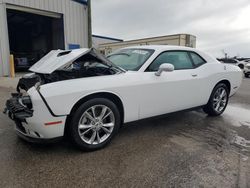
pixel 31 28
pixel 177 39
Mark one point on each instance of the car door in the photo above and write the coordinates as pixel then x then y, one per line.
pixel 171 91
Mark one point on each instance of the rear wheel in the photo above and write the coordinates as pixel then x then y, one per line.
pixel 94 124
pixel 218 100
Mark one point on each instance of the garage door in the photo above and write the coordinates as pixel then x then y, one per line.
pixel 32 34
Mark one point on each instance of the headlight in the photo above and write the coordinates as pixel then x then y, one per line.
pixel 26 100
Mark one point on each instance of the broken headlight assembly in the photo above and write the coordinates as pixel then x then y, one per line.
pixel 26 101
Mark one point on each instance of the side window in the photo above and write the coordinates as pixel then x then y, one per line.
pixel 180 60
pixel 197 60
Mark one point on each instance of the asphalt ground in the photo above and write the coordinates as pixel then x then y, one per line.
pixel 185 149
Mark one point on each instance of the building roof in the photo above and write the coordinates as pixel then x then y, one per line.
pixel 162 47
pixel 109 38
pixel 84 2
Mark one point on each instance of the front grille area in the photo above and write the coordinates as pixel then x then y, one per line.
pixel 16 110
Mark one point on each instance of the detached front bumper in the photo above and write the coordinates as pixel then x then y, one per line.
pixel 34 123
pixel 16 110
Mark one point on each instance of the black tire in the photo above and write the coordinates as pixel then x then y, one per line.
pixel 74 124
pixel 246 75
pixel 241 66
pixel 209 107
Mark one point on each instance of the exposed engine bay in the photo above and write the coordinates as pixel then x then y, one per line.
pixel 89 65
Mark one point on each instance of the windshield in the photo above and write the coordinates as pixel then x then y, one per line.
pixel 130 59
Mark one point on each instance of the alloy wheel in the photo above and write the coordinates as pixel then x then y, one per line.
pixel 220 99
pixel 96 124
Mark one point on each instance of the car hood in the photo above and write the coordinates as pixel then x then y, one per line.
pixel 58 59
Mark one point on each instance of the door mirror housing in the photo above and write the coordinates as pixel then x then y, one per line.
pixel 167 67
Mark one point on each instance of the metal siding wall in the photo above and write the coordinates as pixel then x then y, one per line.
pixel 64 8
pixel 75 21
pixel 49 5
pixel 4 43
pixel 75 24
pixel 179 40
pixel 85 26
pixel 75 17
pixel 182 40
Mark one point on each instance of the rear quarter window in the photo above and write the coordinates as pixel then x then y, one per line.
pixel 197 59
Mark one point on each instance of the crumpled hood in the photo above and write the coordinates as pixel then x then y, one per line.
pixel 58 59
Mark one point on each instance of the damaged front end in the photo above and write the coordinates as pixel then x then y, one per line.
pixel 28 81
pixel 29 109
pixel 59 65
pixel 19 107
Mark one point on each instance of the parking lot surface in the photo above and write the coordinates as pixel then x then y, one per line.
pixel 185 149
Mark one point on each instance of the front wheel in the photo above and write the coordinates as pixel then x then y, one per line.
pixel 94 124
pixel 246 75
pixel 218 100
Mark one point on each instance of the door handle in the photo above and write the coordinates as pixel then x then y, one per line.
pixel 194 75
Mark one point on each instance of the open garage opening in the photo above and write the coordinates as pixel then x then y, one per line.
pixel 31 36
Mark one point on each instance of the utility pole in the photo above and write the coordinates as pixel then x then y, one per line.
pixel 89 25
pixel 225 54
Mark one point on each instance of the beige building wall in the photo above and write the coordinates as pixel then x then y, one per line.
pixel 178 40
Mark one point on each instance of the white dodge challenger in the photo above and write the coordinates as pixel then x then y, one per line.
pixel 88 96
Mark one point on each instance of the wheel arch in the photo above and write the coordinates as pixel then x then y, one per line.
pixel 107 95
pixel 241 65
pixel 207 108
pixel 226 82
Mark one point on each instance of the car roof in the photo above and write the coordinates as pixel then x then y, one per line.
pixel 161 48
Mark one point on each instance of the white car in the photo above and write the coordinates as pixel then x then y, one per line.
pixel 245 66
pixel 89 96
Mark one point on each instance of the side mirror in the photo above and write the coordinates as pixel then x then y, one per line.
pixel 167 67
